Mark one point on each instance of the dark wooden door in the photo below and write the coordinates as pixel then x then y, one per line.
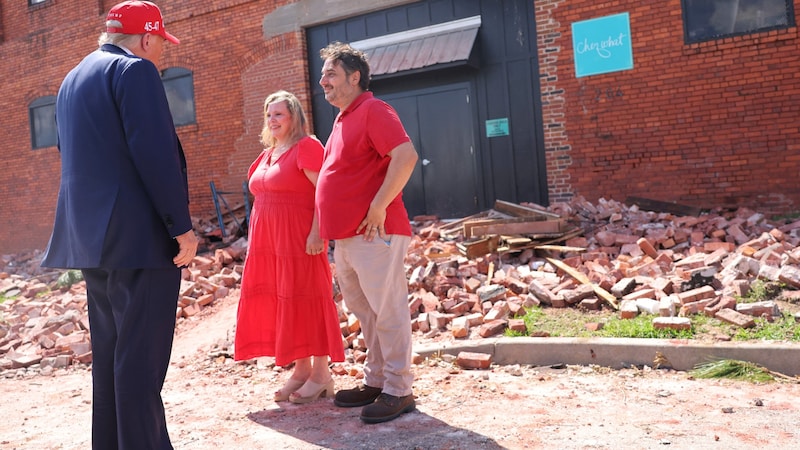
pixel 440 123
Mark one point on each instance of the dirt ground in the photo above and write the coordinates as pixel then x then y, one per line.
pixel 213 403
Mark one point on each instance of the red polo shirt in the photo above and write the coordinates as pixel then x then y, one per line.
pixel 355 166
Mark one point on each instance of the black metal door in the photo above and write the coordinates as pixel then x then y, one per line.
pixel 440 123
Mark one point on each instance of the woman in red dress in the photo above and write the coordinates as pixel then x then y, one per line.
pixel 286 308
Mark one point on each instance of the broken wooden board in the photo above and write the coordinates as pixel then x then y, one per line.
pixel 516 210
pixel 537 241
pixel 516 241
pixel 560 248
pixel 454 224
pixel 518 225
pixel 602 293
pixel 480 247
pixel 647 204
pixel 453 227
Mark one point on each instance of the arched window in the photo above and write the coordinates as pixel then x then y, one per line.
pixel 42 115
pixel 179 85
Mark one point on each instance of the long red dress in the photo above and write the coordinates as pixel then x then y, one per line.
pixel 286 308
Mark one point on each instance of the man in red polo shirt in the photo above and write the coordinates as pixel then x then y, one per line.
pixel 368 160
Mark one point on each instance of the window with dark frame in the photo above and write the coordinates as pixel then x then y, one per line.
pixel 179 86
pixel 35 2
pixel 706 20
pixel 42 115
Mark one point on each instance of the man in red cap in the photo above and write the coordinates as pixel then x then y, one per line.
pixel 122 218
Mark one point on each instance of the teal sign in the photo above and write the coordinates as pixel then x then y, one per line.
pixel 602 45
pixel 497 127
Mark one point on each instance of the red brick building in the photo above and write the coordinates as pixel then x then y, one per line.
pixel 707 123
pixel 222 43
pixel 701 121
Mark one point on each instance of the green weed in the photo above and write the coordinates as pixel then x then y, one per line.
pixel 781 329
pixel 571 322
pixel 733 369
pixel 561 322
pixel 761 291
pixel 641 327
pixel 513 333
pixel 4 297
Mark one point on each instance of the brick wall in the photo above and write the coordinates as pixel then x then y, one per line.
pixel 34 60
pixel 710 124
pixel 222 43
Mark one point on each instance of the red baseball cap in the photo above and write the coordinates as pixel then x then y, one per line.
pixel 138 17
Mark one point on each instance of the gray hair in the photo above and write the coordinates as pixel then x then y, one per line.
pixel 116 38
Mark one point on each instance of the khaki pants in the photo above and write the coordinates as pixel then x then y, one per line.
pixel 372 278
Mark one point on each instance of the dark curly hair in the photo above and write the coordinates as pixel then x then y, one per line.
pixel 351 60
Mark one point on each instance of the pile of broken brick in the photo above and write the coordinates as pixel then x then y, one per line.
pixel 45 326
pixel 605 255
pixel 624 258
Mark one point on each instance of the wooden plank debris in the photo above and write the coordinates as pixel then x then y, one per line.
pixel 514 209
pixel 519 225
pixel 602 293
pixel 453 227
pixel 479 247
pixel 509 227
pixel 560 248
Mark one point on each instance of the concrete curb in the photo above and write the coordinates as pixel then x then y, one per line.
pixel 618 353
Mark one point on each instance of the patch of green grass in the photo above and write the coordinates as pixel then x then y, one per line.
pixel 705 325
pixel 761 290
pixel 565 322
pixel 571 322
pixel 781 329
pixel 513 333
pixel 641 327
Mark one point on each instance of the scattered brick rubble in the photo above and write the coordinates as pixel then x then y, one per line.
pixel 632 261
pixel 46 327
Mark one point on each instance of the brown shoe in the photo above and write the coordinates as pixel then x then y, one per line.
pixel 360 396
pixel 387 407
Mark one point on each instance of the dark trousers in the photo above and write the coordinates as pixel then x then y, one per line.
pixel 132 322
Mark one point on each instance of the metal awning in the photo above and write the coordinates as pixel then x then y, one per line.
pixel 448 42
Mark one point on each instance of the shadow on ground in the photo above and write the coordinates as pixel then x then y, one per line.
pixel 325 425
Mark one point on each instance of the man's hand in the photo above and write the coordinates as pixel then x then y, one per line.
pixel 403 159
pixel 373 224
pixel 188 249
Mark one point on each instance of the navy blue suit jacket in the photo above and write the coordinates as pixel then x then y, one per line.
pixel 124 193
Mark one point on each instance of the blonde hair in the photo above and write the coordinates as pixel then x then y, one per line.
pixel 297 115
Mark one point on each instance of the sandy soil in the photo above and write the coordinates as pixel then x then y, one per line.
pixel 213 403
